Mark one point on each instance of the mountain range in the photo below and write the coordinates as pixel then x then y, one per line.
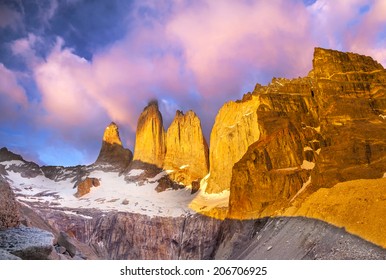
pixel 296 169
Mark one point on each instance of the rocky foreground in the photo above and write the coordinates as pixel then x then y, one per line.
pixel 295 170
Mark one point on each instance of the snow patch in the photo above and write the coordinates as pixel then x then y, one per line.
pixel 184 166
pixel 384 175
pixel 76 214
pixel 318 151
pixel 205 201
pixel 12 163
pixel 135 172
pixel 308 165
pixel 382 116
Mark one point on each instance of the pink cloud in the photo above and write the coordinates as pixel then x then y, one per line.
pixel 10 89
pixel 197 55
pixel 341 25
pixel 224 41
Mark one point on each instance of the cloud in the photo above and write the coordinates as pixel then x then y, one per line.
pixel 12 96
pixel 188 54
pixel 358 26
pixel 9 18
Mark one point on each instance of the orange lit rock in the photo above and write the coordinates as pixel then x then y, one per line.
pixel 85 186
pixel 187 151
pixel 150 146
pixel 112 151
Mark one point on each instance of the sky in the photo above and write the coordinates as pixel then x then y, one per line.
pixel 70 67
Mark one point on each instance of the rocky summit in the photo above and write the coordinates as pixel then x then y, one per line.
pixel 186 149
pixel 150 142
pixel 296 169
pixel 112 151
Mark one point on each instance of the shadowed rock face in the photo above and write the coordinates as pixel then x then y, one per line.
pixel 187 150
pixel 112 151
pixel 131 236
pixel 150 146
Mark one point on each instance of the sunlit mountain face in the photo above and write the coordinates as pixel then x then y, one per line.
pixel 69 68
pixel 192 129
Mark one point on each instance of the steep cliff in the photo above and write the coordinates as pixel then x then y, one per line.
pixel 150 146
pixel 326 128
pixel 186 149
pixel 112 151
pixel 235 128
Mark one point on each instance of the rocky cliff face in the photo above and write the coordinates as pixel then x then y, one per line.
pixel 186 149
pixel 326 128
pixel 235 128
pixel 112 151
pixel 134 236
pixel 150 146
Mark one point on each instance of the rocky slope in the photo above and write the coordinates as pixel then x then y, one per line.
pixel 289 238
pixel 186 149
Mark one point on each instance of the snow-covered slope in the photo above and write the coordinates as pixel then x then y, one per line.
pixel 114 193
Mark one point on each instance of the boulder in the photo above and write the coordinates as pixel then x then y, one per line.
pixel 9 208
pixel 27 243
pixel 5 255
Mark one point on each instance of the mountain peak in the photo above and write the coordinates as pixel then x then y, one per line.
pixel 187 150
pixel 111 134
pixel 327 62
pixel 112 151
pixel 150 138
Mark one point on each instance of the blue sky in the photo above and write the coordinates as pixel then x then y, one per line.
pixel 68 68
